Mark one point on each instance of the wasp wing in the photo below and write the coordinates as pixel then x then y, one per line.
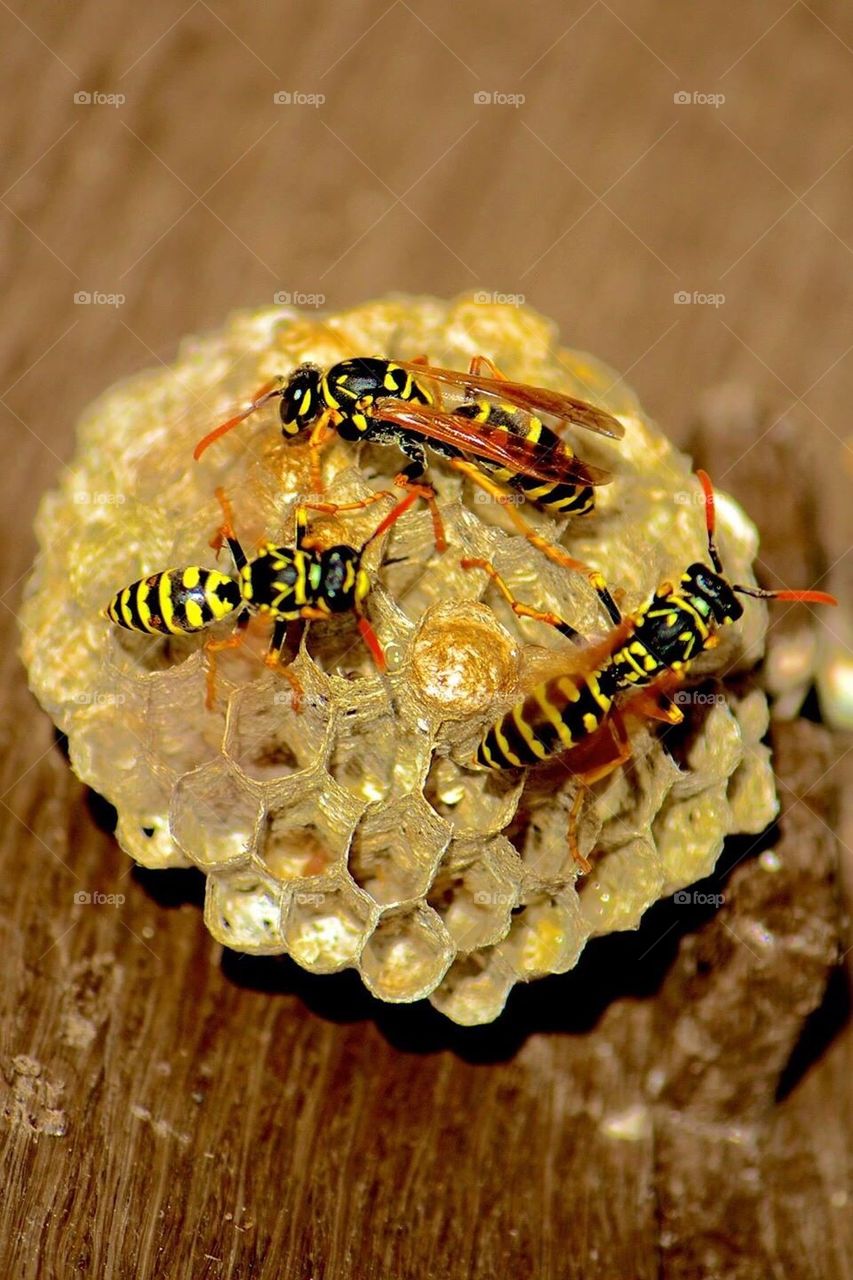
pixel 580 413
pixel 494 443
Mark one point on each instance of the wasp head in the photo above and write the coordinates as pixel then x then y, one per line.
pixel 712 594
pixel 345 583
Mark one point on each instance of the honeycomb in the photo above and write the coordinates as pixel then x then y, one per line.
pixel 353 833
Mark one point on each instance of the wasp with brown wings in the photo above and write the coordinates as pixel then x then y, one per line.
pixel 578 712
pixel 493 435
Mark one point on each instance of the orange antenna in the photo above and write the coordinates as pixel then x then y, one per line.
pixel 710 518
pixel 802 597
pixel 260 398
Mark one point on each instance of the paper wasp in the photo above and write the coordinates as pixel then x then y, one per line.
pixel 493 434
pixel 283 583
pixel 578 713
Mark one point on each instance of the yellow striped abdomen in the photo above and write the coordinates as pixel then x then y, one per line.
pixel 175 602
pixel 554 717
pixel 555 496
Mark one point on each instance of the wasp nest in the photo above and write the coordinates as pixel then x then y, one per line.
pixel 353 832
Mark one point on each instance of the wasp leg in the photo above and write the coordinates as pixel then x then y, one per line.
pixel 212 647
pixel 574 821
pixel 646 702
pixel 332 508
pixel 479 363
pixel 321 434
pixel 519 609
pixel 225 532
pixel 416 453
pixel 556 554
pixel 299 537
pixel 595 773
pixel 407 480
pixel 273 660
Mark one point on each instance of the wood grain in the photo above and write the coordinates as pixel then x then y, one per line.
pixel 171 1112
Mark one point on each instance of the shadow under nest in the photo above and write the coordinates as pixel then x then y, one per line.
pixel 631 965
pixel 622 966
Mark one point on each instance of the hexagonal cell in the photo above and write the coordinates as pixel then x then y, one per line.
pixel 187 739
pixel 146 837
pixel 215 816
pixel 364 749
pixel 338 649
pixel 546 936
pixel 689 836
pixel 622 885
pixel 419 577
pixel 132 653
pixel 106 747
pixel 462 661
pixel 308 828
pixel 326 924
pixel 396 848
pixel 472 803
pixel 540 834
pixel 266 738
pixel 475 890
pixel 243 911
pixel 407 955
pixel 474 990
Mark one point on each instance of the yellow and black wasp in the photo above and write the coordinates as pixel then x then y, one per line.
pixel 578 712
pixel 285 584
pixel 494 435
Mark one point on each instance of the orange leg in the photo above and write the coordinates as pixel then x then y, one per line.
pixel 574 822
pixel 211 648
pixel 594 773
pixel 556 554
pixel 332 508
pixel 479 363
pixel 426 492
pixel 321 434
pixel 274 662
pixel 519 609
pixel 646 702
pixel 226 529
pixel 367 633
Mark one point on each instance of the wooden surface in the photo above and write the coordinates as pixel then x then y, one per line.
pixel 170 1112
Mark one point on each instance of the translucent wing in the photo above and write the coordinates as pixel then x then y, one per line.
pixel 553 465
pixel 534 399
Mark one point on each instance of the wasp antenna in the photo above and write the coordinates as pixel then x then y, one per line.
pixel 803 597
pixel 261 396
pixel 710 517
pixel 371 639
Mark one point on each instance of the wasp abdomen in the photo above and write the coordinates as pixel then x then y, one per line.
pixel 554 717
pixel 175 602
